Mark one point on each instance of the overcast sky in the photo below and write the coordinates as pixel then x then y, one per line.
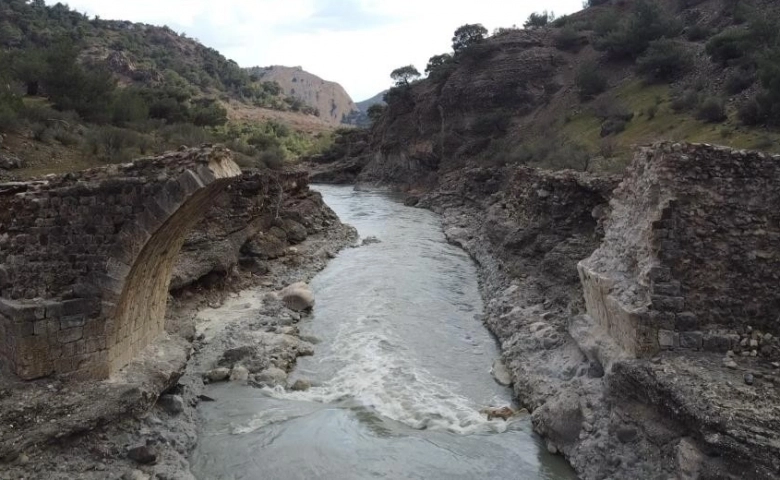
pixel 354 42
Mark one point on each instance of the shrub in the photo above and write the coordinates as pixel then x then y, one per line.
pixel 613 126
pixel 590 81
pixel 651 112
pixel 566 39
pixel 273 158
pixel 697 33
pixel 730 45
pixel 209 115
pixel 112 143
pixel 631 37
pixel 491 124
pixel 686 100
pixel 712 110
pixel 739 81
pixel 664 61
pixel 596 3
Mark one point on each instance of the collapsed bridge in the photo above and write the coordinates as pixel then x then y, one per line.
pixel 86 259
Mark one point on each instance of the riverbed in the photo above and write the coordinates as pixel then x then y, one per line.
pixel 400 373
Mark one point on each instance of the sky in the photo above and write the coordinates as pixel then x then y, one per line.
pixel 356 43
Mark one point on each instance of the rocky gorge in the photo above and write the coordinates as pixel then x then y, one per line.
pixel 633 312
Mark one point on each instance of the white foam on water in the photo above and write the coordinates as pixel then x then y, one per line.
pixel 382 378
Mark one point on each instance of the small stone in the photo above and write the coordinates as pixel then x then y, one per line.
pixel 172 404
pixel 753 343
pixel 271 377
pixel 217 375
pixel 23 459
pixel 749 379
pixel 730 353
pixel 135 475
pixel 239 374
pixel 143 455
pixel 501 374
pixel 301 385
pixel 776 364
pixel 768 337
pixel 552 448
pixel 745 353
pixel 754 353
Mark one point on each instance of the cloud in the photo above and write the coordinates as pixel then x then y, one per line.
pixel 340 16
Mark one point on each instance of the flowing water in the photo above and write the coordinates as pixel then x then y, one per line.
pixel 400 375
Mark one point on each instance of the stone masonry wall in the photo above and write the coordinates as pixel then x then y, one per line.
pixel 85 259
pixel 691 255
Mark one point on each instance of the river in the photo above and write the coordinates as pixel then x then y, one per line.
pixel 399 377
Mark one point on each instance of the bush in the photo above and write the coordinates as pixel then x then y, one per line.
pixel 712 110
pixel 567 39
pixel 613 126
pixel 651 112
pixel 664 61
pixel 209 115
pixel 538 20
pixel 730 45
pixel 739 81
pixel 631 37
pixel 697 33
pixel 273 158
pixel 685 101
pixel 112 143
pixel 590 81
pixel 491 124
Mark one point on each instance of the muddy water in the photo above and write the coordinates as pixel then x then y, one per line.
pixel 399 377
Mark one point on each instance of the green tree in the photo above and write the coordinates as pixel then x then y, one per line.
pixel 468 35
pixel 436 62
pixel 403 75
pixel 590 81
pixel 538 20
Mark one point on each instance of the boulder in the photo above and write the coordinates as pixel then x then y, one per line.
pixel 239 374
pixel 301 385
pixel 271 377
pixel 218 374
pixel 297 297
pixel 143 455
pixel 10 162
pixel 172 404
pixel 501 374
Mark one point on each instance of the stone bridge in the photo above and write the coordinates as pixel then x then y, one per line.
pixel 86 259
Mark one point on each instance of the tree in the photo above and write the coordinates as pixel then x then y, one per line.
pixel 590 81
pixel 376 111
pixel 404 75
pixel 468 35
pixel 437 61
pixel 538 20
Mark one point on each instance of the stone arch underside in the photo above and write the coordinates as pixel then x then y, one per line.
pixel 86 259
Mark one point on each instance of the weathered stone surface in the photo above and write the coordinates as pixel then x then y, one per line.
pixel 98 247
pixel 693 235
pixel 297 297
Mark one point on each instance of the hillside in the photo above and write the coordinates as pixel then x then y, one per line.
pixel 580 91
pixel 80 92
pixel 327 100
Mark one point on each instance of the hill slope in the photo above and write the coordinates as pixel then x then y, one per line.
pixel 581 92
pixel 328 99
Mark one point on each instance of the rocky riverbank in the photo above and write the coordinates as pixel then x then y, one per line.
pixel 267 232
pixel 692 410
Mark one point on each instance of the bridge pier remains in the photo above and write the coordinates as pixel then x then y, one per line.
pixel 86 259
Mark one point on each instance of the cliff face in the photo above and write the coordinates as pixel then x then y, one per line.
pixel 516 98
pixel 329 98
pixel 625 366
